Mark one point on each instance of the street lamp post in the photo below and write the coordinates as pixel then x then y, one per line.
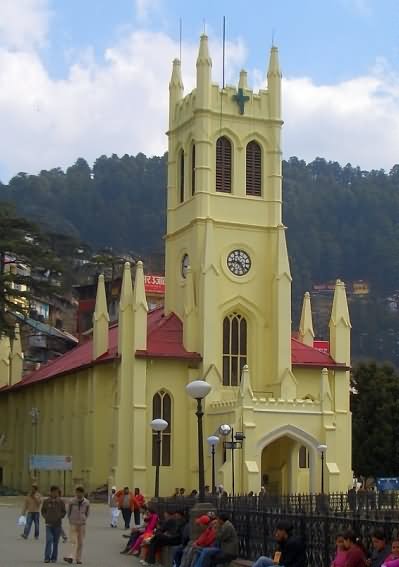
pixel 235 443
pixel 35 415
pixel 158 425
pixel 322 450
pixel 198 390
pixel 213 441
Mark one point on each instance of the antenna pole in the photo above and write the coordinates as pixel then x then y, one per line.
pixel 224 50
pixel 180 37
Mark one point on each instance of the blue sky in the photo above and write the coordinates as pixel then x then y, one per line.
pixel 329 41
pixel 83 78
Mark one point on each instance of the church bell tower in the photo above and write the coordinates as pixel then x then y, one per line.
pixel 227 269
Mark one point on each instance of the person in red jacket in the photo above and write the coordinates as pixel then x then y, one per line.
pixel 139 502
pixel 205 539
pixel 126 504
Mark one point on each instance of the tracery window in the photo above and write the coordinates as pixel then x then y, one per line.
pixel 162 409
pixel 234 348
pixel 223 165
pixel 254 169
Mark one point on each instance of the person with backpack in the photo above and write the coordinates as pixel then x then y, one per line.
pixel 78 512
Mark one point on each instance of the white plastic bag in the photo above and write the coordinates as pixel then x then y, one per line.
pixel 21 521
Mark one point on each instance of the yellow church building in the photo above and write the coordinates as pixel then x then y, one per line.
pixel 226 320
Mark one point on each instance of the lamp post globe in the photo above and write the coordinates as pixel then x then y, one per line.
pixel 213 441
pixel 225 429
pixel 198 390
pixel 158 425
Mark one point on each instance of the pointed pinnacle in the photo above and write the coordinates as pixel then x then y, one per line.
pixel 139 297
pixel 274 64
pixel 203 53
pixel 101 308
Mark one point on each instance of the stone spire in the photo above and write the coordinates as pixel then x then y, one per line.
pixel 125 330
pixel 274 85
pixel 100 320
pixel 190 319
pixel 282 307
pixel 243 82
pixel 340 326
pixel 5 353
pixel 140 309
pixel 17 358
pixel 204 74
pixel 176 90
pixel 306 333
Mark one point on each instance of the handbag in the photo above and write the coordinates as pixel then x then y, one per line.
pixel 21 521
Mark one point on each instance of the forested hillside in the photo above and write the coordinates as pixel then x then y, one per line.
pixel 342 222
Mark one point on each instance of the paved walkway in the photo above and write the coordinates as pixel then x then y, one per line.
pixel 102 545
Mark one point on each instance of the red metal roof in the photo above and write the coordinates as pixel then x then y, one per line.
pixel 164 340
pixel 306 356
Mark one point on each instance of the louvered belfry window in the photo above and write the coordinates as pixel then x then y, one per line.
pixel 254 169
pixel 223 165
pixel 193 169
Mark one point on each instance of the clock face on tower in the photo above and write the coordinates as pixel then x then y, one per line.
pixel 239 262
pixel 185 262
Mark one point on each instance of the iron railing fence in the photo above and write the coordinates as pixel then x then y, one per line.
pixel 316 518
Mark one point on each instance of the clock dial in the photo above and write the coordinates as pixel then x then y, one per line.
pixel 239 262
pixel 185 262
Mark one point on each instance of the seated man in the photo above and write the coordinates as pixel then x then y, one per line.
pixel 205 539
pixel 225 548
pixel 171 533
pixel 291 549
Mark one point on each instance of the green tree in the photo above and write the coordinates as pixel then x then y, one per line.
pixel 375 426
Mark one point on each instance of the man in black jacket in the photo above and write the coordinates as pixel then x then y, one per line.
pixel 291 549
pixel 170 533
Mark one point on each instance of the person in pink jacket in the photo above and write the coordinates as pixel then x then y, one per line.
pixel 393 559
pixel 341 553
pixel 151 520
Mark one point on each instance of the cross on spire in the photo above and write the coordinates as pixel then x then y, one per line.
pixel 240 99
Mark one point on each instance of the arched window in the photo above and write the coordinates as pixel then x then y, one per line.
pixel 162 409
pixel 193 169
pixel 303 458
pixel 254 169
pixel 181 176
pixel 234 348
pixel 223 165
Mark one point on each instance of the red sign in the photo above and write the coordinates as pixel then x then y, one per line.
pixel 322 346
pixel 154 284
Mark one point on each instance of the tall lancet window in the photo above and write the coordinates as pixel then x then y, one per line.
pixel 162 409
pixel 181 176
pixel 193 169
pixel 254 169
pixel 234 348
pixel 223 165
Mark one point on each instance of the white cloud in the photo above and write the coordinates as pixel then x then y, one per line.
pixel 120 106
pixel 23 23
pixel 144 8
pixel 117 107
pixel 354 121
